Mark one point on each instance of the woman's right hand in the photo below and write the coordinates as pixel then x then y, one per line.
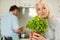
pixel 36 36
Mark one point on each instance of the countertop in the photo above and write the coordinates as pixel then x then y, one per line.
pixel 24 39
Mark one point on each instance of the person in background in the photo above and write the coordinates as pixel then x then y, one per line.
pixel 53 32
pixel 9 25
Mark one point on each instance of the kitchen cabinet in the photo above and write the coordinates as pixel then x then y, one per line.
pixel 28 3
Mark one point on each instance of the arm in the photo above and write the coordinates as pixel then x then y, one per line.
pixel 57 29
pixel 56 25
pixel 15 25
pixel 19 30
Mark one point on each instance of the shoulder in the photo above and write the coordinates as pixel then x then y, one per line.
pixel 57 19
pixel 54 19
pixel 12 16
pixel 5 16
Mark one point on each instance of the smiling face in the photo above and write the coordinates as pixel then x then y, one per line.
pixel 42 10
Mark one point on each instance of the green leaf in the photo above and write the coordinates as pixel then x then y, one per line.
pixel 38 25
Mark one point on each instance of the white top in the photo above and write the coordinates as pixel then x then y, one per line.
pixel 53 32
pixel 9 22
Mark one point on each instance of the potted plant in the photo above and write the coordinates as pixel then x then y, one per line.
pixel 38 25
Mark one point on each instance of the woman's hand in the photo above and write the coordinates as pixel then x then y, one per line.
pixel 36 36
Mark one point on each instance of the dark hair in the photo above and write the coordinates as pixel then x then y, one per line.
pixel 12 8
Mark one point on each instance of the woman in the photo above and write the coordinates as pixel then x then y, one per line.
pixel 54 23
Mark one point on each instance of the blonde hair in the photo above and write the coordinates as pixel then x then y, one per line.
pixel 45 2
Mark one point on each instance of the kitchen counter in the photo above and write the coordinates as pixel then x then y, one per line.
pixel 24 39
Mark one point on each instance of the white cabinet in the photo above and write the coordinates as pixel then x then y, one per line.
pixel 28 3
